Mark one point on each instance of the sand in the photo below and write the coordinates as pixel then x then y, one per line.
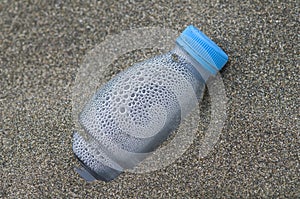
pixel 42 46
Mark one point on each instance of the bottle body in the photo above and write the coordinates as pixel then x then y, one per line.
pixel 132 114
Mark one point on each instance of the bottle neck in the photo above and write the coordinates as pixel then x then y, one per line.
pixel 189 59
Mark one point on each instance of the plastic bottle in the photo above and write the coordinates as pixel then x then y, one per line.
pixel 137 110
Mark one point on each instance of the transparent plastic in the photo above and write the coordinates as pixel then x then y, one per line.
pixel 133 113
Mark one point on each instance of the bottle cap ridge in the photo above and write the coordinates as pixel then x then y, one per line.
pixel 202 49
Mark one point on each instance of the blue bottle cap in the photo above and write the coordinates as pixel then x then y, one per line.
pixel 202 49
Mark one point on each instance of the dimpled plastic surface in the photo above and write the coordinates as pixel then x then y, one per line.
pixel 135 111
